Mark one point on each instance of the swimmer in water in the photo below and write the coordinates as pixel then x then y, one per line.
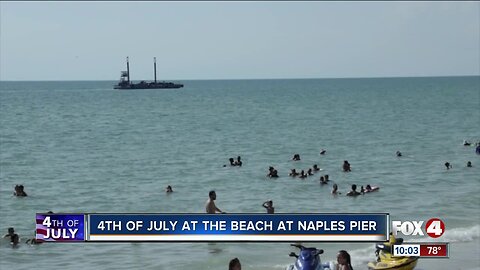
pixel 362 190
pixel 302 174
pixel 323 152
pixel 448 165
pixel 13 236
pixel 344 261
pixel 322 180
pixel 346 166
pixel 310 172
pixel 399 154
pixel 232 163
pixel 210 206
pixel 235 264
pixel 269 206
pixel 272 173
pixel 326 178
pixel 296 157
pixel 466 143
pixel 293 173
pixel 270 170
pixel 168 189
pixel 469 164
pixel 19 191
pixel 368 188
pixel 315 168
pixel 354 191
pixel 238 162
pixel 33 241
pixel 335 189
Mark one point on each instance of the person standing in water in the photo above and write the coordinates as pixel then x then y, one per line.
pixel 210 207
pixel 354 191
pixel 239 161
pixel 346 166
pixel 13 236
pixel 272 173
pixel 448 165
pixel 19 191
pixel 322 180
pixel 335 189
pixel 269 206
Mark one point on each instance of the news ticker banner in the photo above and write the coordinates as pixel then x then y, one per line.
pixel 424 250
pixel 212 227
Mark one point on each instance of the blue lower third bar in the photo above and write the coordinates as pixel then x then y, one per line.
pixel 238 227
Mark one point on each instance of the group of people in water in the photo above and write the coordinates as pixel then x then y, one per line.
pixel 19 191
pixel 467 143
pixel 234 162
pixel 272 172
pixel 449 166
pixel 469 163
pixel 353 191
pixel 15 239
pixel 343 258
pixel 302 174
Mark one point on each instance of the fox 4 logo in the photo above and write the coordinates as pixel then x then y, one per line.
pixel 433 227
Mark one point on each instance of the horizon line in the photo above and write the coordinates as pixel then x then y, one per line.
pixel 252 79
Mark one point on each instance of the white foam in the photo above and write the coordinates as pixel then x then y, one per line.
pixel 361 257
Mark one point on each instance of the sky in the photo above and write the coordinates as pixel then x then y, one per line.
pixel 237 40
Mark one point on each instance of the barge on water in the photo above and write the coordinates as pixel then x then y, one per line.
pixel 126 84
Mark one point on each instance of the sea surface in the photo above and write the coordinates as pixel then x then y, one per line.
pixel 84 147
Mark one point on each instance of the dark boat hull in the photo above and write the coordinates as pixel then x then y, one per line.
pixel 133 86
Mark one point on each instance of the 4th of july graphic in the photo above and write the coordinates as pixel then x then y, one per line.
pixel 60 227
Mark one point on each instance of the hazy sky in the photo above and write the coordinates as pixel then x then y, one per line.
pixel 236 40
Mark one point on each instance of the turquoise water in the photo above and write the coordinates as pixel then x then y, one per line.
pixel 84 147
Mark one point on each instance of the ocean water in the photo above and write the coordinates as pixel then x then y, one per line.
pixel 84 147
